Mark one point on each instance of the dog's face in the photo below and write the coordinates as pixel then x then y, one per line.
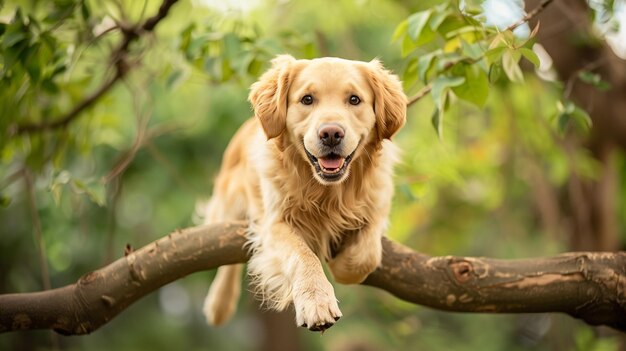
pixel 330 109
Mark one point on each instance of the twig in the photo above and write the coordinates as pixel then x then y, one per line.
pixel 534 12
pixel 71 115
pixel 420 94
pixel 118 60
pixel 575 76
pixel 154 151
pixel 41 247
pixel 13 177
pixel 142 120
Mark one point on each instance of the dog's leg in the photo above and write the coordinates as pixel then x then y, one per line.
pixel 221 301
pixel 287 270
pixel 359 256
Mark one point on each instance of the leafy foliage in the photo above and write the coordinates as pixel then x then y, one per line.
pixel 454 50
pixel 130 167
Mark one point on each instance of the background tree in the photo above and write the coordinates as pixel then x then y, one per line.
pixel 115 114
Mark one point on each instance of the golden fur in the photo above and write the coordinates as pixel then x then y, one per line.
pixel 307 200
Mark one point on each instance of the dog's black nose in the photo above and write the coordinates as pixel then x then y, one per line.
pixel 331 134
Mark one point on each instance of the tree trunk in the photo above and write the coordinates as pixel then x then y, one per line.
pixel 567 36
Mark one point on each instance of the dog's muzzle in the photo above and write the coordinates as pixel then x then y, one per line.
pixel 330 167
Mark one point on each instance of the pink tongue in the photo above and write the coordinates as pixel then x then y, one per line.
pixel 330 163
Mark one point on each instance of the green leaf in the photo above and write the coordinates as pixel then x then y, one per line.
pixel 563 121
pixel 34 61
pixel 417 22
pixel 568 114
pixel 427 36
pixel 5 200
pixel 441 86
pixel 436 120
pixel 474 50
pixel 400 31
pixel 12 38
pixel 424 63
pixel 582 118
pixel 60 12
pixel 84 11
pixel 50 86
pixel 255 67
pixel 227 70
pixel 475 89
pixel 438 17
pixel 510 65
pixel 451 23
pixel 565 107
pixel 213 67
pixel 495 72
pixel 175 79
pixel 185 37
pixel 232 46
pixel 57 185
pixel 408 46
pixel 448 60
pixel 530 56
pixel 595 80
pixel 443 83
pixel 405 190
pixel 95 190
pixel 409 77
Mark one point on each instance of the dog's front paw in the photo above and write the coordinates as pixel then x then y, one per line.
pixel 316 306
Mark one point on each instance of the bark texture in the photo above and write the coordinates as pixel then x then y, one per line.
pixel 590 286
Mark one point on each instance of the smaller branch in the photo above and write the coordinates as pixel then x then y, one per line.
pixel 118 59
pixel 151 22
pixel 142 121
pixel 12 178
pixel 419 95
pixel 71 115
pixel 41 247
pixel 534 12
pixel 574 77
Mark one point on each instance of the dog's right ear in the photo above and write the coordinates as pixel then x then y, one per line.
pixel 269 96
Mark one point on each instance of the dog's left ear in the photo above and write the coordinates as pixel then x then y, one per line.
pixel 390 102
pixel 269 96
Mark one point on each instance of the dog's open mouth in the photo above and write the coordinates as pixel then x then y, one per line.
pixel 330 167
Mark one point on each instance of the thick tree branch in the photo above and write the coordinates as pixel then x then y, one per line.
pixel 590 286
pixel 119 62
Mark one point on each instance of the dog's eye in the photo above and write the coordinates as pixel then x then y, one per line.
pixel 354 100
pixel 307 100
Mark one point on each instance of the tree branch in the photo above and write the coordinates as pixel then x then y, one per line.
pixel 589 286
pixel 118 59
pixel 534 12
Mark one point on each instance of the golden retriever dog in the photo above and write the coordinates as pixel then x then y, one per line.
pixel 312 173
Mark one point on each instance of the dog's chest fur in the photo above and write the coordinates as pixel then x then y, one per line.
pixel 323 214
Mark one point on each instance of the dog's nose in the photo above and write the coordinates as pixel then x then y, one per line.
pixel 331 134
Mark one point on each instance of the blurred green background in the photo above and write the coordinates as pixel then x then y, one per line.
pixel 501 182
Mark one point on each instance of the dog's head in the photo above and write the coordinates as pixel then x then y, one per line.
pixel 330 108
